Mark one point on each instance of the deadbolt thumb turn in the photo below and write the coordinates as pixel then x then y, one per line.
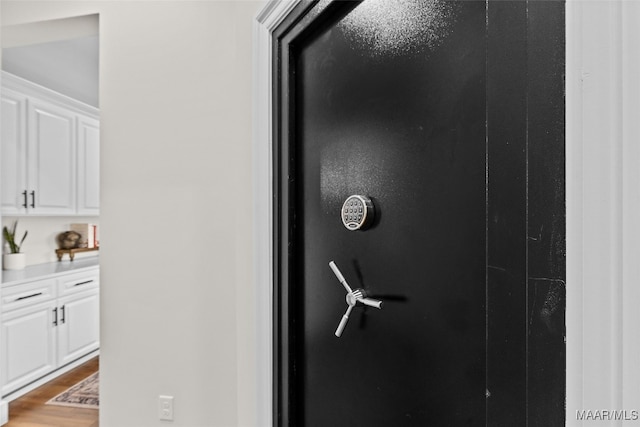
pixel 353 297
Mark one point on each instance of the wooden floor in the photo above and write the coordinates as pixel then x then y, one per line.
pixel 30 410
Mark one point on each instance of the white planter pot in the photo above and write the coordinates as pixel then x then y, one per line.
pixel 14 261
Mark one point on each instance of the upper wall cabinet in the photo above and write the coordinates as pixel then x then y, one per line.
pixel 50 152
pixel 13 152
pixel 51 159
pixel 88 166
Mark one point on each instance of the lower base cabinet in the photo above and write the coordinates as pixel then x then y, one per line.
pixel 79 327
pixel 46 325
pixel 28 345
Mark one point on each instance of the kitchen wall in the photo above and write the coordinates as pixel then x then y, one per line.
pixel 177 305
pixel 41 243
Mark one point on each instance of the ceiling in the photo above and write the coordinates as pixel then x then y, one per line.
pixel 61 54
pixel 66 66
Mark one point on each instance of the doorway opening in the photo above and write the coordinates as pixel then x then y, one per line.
pixel 50 174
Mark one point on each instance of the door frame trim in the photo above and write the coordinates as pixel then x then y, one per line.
pixel 264 24
pixel 602 57
pixel 603 232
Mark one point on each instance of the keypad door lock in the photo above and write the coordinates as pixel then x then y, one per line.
pixel 357 213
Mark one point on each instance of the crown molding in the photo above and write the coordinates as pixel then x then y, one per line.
pixel 28 88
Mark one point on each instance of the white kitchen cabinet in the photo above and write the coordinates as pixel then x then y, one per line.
pixel 88 166
pixel 79 326
pixel 51 160
pixel 47 324
pixel 50 152
pixel 28 345
pixel 13 154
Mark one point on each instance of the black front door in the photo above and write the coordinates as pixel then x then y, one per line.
pixel 423 107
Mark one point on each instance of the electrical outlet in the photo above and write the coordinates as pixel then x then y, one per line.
pixel 165 408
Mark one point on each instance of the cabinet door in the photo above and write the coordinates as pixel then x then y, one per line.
pixel 51 160
pixel 88 166
pixel 28 346
pixel 79 327
pixel 13 154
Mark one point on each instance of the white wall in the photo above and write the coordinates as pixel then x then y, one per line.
pixel 41 243
pixel 177 307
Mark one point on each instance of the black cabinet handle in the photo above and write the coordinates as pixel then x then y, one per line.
pixel 63 316
pixel 55 316
pixel 33 199
pixel 24 194
pixel 28 296
pixel 83 283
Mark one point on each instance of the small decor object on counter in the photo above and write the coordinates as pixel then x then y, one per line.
pixel 14 260
pixel 69 240
pixel 88 233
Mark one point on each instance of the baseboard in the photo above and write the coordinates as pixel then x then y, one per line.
pixel 32 386
pixel 4 412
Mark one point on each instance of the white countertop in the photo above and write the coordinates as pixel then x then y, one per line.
pixel 50 269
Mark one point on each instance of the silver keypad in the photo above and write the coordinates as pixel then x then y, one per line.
pixel 357 212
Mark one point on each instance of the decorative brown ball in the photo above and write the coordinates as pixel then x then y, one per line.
pixel 68 240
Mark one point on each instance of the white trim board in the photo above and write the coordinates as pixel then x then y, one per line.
pixel 603 209
pixel 4 412
pixel 603 205
pixel 26 87
pixel 265 23
pixel 630 156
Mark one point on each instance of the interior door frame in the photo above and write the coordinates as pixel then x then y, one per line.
pixel 603 207
pixel 267 20
pixel 603 234
pixel 311 13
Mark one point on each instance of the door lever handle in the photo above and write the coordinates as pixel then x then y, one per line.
pixel 339 275
pixel 352 298
pixel 343 321
pixel 371 302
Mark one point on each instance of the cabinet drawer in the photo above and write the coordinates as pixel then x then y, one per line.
pixel 27 294
pixel 78 282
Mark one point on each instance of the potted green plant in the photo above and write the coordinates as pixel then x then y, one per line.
pixel 14 259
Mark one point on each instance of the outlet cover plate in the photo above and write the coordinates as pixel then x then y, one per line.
pixel 165 408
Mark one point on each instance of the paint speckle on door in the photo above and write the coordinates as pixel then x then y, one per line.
pixel 399 27
pixel 355 163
